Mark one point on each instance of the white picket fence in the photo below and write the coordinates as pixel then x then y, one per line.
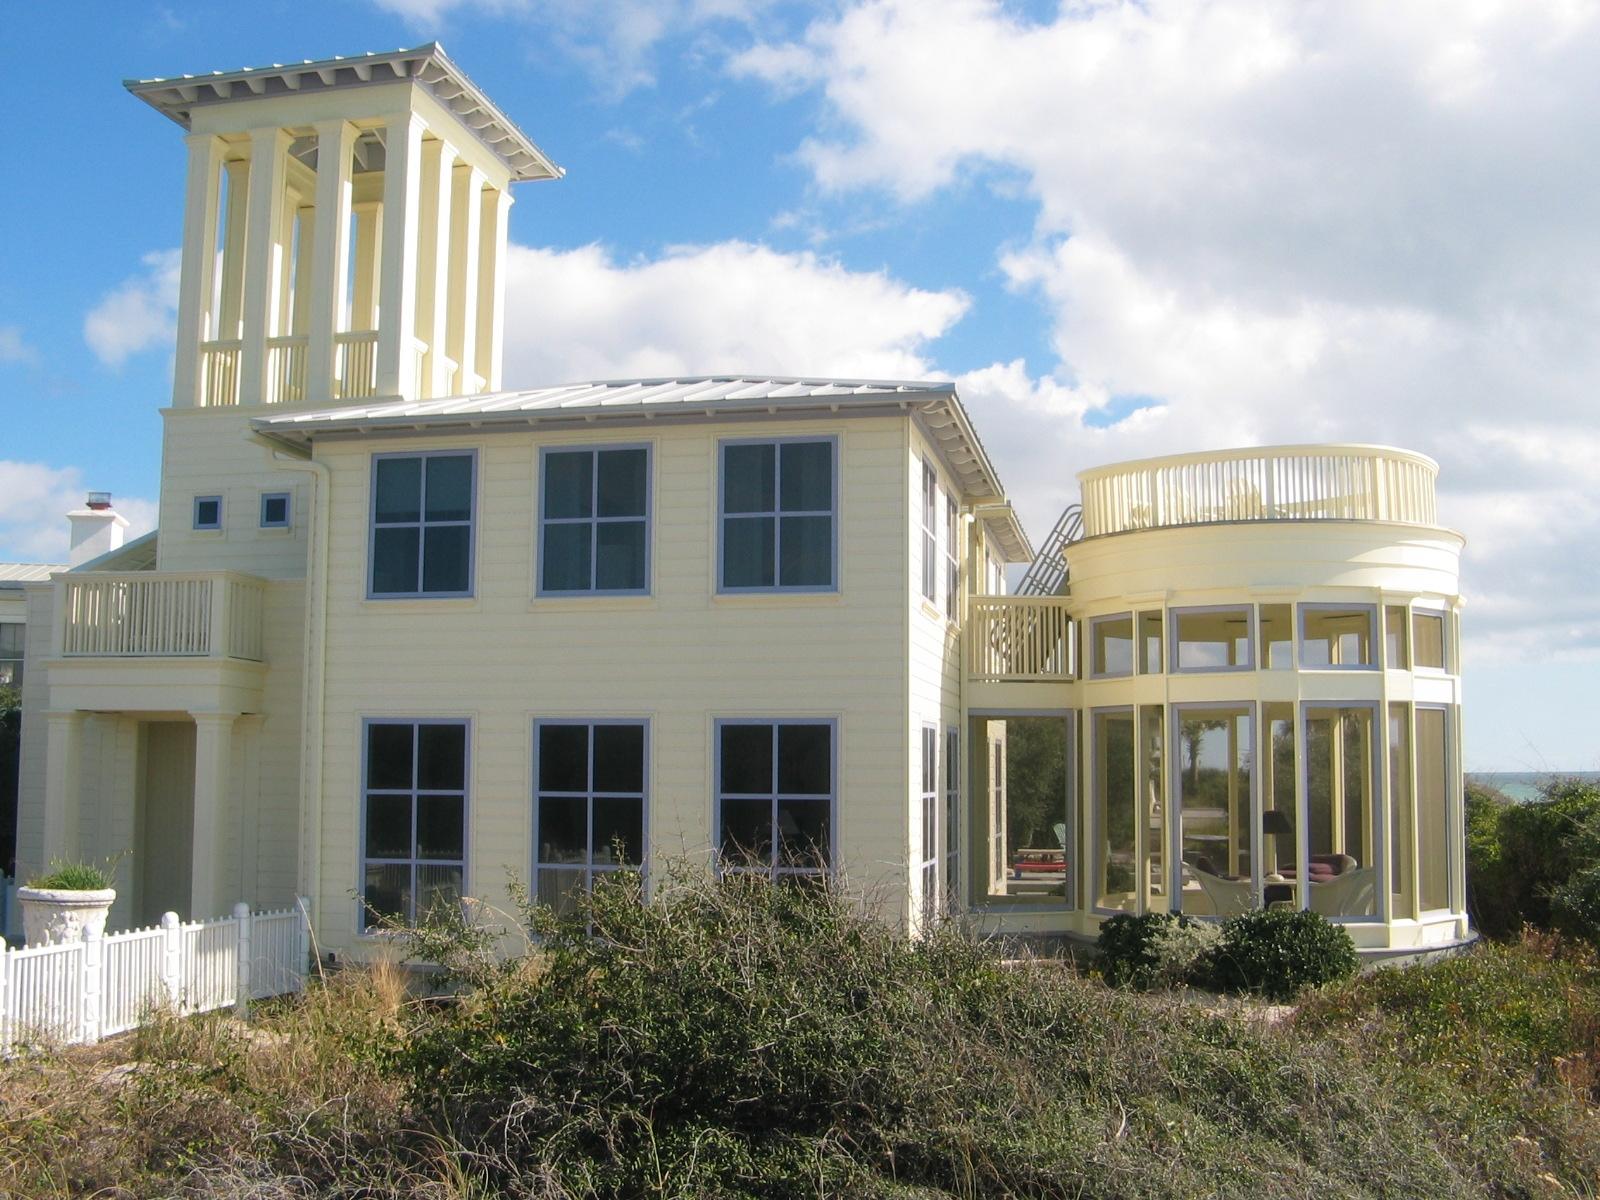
pixel 80 992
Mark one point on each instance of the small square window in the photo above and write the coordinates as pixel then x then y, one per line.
pixel 275 510
pixel 208 512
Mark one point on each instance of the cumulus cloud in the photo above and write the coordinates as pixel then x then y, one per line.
pixel 138 314
pixel 1280 221
pixel 35 498
pixel 731 306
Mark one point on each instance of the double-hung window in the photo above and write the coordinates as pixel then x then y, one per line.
pixel 589 805
pixel 414 818
pixel 952 815
pixel 775 796
pixel 930 533
pixel 422 524
pixel 952 558
pixel 594 523
pixel 778 516
pixel 930 823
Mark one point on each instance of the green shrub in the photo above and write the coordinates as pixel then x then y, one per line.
pixel 1521 856
pixel 1154 950
pixel 1277 953
pixel 73 877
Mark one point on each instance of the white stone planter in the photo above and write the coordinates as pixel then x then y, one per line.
pixel 57 915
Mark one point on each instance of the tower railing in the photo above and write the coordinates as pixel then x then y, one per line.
pixel 286 369
pixel 219 373
pixel 355 369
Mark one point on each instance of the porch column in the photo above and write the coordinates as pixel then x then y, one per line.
pixel 263 259
pixel 397 276
pixel 63 749
pixel 433 268
pixel 466 213
pixel 213 772
pixel 492 285
pixel 328 279
pixel 198 269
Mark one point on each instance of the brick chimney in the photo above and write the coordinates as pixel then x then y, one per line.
pixel 96 529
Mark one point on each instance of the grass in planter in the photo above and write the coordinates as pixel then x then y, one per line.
pixel 73 877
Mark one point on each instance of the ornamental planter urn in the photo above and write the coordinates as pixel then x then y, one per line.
pixel 63 914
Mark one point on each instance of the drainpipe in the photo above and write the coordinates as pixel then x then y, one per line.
pixel 314 661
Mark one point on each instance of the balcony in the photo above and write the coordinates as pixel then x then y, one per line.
pixel 288 377
pixel 1275 483
pixel 1024 639
pixel 145 614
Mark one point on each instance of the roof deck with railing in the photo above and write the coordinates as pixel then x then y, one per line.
pixel 1269 483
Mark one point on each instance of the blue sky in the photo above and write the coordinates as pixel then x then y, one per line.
pixel 1124 229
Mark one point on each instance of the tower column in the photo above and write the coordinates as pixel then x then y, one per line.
pixel 397 277
pixel 492 286
pixel 197 277
pixel 328 276
pixel 433 269
pixel 263 259
pixel 466 213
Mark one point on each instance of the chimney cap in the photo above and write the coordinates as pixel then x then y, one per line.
pixel 98 501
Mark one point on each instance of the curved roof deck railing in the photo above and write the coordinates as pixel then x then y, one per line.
pixel 1267 483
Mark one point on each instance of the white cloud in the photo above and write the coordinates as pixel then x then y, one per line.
pixel 34 501
pixel 14 348
pixel 138 314
pixel 732 306
pixel 1283 221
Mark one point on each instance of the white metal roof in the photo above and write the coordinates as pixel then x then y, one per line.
pixel 16 574
pixel 640 401
pixel 427 65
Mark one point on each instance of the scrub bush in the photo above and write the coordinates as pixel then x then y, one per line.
pixel 1521 856
pixel 1277 953
pixel 1155 950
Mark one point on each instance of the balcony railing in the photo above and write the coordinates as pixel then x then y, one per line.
pixel 1026 638
pixel 145 614
pixel 1276 483
pixel 219 373
pixel 286 369
pixel 355 368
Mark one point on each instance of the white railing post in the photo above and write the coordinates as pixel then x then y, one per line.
pixel 241 996
pixel 7 1002
pixel 172 959
pixel 92 979
pixel 302 956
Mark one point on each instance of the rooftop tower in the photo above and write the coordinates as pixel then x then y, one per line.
pixel 344 230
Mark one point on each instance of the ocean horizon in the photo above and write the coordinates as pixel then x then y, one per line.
pixel 1526 785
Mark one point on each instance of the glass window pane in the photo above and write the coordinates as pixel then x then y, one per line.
pixel 1111 650
pixel 1115 811
pixel 1280 816
pixel 1400 809
pixel 442 757
pixel 388 826
pixel 1216 837
pixel 747 759
pixel 619 758
pixel 448 496
pixel 389 756
pixel 1395 655
pixel 1034 810
pixel 803 833
pixel 1336 637
pixel 807 552
pixel 387 894
pixel 623 482
pixel 618 826
pixel 805 760
pixel 563 758
pixel 620 565
pixel 566 558
pixel 1277 637
pixel 1211 640
pixel 560 890
pixel 1151 661
pixel 1427 641
pixel 438 892
pixel 207 514
pixel 1341 873
pixel 569 484
pixel 563 829
pixel 274 511
pixel 1433 833
pixel 445 550
pixel 397 490
pixel 1153 800
pixel 745 838
pixel 11 639
pixel 747 478
pixel 748 551
pixel 394 560
pixel 441 827
pixel 807 477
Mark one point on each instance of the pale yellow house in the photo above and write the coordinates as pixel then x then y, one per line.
pixel 404 635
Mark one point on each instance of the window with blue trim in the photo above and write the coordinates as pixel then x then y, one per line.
pixel 414 836
pixel 777 521
pixel 594 525
pixel 275 510
pixel 930 532
pixel 422 524
pixel 208 512
pixel 589 805
pixel 775 796
pixel 930 823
